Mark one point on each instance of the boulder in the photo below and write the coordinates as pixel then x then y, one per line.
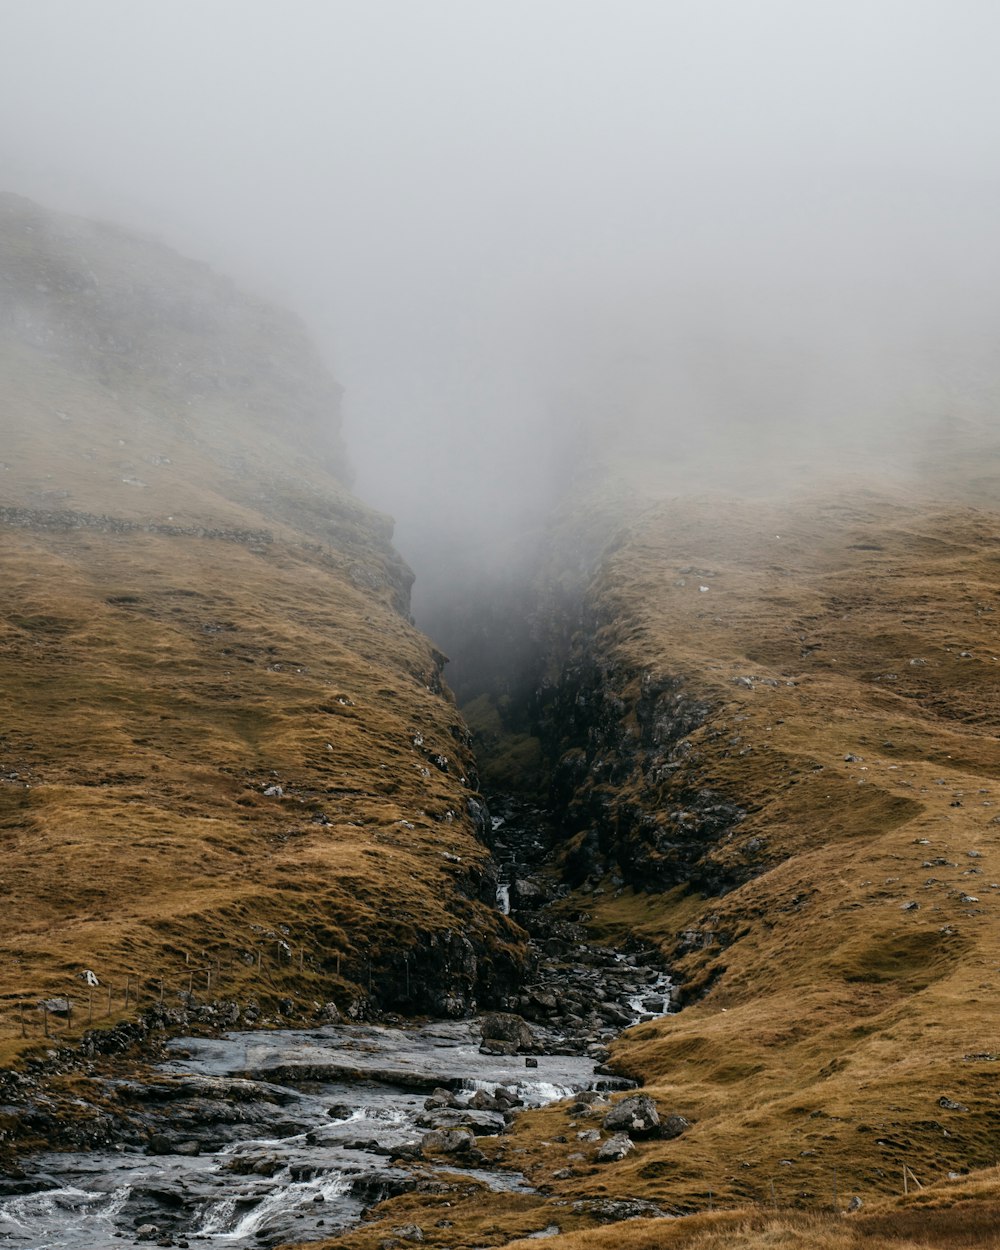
pixel 672 1126
pixel 483 1123
pixel 614 1148
pixel 498 1026
pixel 447 1142
pixel 527 893
pixel 637 1116
pixel 409 1232
pixel 492 1046
pixel 441 1098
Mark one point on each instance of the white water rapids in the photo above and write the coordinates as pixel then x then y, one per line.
pixel 299 1161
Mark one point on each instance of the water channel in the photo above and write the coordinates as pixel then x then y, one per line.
pixel 253 1139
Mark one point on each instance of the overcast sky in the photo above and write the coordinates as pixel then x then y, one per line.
pixel 486 207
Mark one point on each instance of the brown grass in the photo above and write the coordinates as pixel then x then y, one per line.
pixel 153 684
pixel 834 1020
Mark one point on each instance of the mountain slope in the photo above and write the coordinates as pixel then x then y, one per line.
pixel 772 745
pixel 227 761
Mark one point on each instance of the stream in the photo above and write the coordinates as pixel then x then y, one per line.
pixel 253 1139
pixel 272 1137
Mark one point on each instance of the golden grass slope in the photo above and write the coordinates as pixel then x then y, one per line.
pixel 851 650
pixel 847 1024
pixel 193 610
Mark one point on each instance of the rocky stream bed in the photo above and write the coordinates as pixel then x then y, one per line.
pixel 252 1139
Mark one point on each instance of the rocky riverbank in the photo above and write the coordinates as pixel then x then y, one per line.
pixel 252 1138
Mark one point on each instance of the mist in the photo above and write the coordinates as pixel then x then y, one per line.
pixel 742 240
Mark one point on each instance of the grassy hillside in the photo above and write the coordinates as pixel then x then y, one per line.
pixel 840 997
pixel 227 761
pixel 825 672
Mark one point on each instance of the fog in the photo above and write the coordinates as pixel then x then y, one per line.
pixel 744 237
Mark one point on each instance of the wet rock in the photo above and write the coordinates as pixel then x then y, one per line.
pixel 447 1142
pixel 441 1098
pixel 614 1014
pixel 526 894
pixel 343 1110
pixel 490 1046
pixel 502 1027
pixel 615 1148
pixel 637 1116
pixel 485 1123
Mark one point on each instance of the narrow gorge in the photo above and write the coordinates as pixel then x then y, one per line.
pixel 680 911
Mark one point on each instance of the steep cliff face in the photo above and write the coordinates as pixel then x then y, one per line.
pixel 228 763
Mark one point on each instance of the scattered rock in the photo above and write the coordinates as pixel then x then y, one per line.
pixel 409 1232
pixel 637 1116
pixel 447 1142
pixel 950 1105
pixel 501 1027
pixel 56 1006
pixel 672 1126
pixel 615 1148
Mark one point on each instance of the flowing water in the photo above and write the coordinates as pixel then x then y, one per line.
pixel 271 1137
pixel 257 1138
